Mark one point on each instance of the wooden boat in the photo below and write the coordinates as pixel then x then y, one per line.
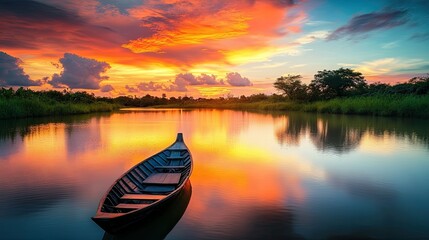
pixel 145 187
pixel 158 223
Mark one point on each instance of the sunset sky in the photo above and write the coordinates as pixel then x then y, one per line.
pixel 206 48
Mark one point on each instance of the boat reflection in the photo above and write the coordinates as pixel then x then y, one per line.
pixel 160 222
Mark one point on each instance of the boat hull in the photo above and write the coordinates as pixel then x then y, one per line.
pixel 158 223
pixel 146 187
pixel 121 223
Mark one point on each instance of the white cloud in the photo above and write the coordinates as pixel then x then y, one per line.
pixel 317 23
pixel 271 65
pixel 386 66
pixel 311 37
pixel 390 45
pixel 298 66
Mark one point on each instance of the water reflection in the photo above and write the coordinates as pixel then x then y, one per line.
pixel 342 134
pixel 383 197
pixel 160 222
pixel 267 222
pixel 287 176
pixel 29 199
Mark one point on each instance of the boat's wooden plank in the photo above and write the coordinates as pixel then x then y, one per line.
pixel 163 178
pixel 124 185
pixel 120 188
pixel 154 178
pixel 159 160
pixel 159 188
pixel 170 167
pixel 176 162
pixel 143 197
pixel 108 215
pixel 172 178
pixel 140 172
pixel 136 175
pixel 134 180
pixel 115 194
pixel 131 206
pixel 144 169
pixel 178 146
pixel 175 155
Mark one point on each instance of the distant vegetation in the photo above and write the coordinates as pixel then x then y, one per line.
pixel 344 83
pixel 29 103
pixel 341 91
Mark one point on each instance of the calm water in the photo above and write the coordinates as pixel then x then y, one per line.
pixel 256 176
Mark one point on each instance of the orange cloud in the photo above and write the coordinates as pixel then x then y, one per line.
pixel 196 32
pixel 155 39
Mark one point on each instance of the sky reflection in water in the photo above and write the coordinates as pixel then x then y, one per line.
pixel 256 175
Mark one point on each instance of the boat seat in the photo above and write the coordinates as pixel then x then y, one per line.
pixel 175 155
pixel 163 179
pixel 159 189
pixel 170 169
pixel 130 206
pixel 142 197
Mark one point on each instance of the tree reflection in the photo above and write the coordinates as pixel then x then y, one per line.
pixel 334 133
pixel 325 132
pixel 342 133
pixel 13 131
pixel 292 129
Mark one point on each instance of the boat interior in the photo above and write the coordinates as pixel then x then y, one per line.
pixel 150 181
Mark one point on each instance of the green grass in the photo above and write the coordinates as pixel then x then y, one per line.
pixel 382 105
pixel 390 105
pixel 34 107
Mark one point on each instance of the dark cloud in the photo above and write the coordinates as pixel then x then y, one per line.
pixel 235 79
pixel 12 74
pixel 80 72
pixel 183 80
pixel 364 23
pixel 180 82
pixel 131 89
pixel 420 36
pixel 122 6
pixel 32 10
pixel 34 25
pixel 283 3
pixel 150 86
pixel 107 88
pixel 186 79
pixel 203 79
pixel 209 79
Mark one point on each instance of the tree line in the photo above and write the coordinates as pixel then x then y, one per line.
pixel 344 82
pixel 326 85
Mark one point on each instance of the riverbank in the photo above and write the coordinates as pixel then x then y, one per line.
pixel 34 107
pixel 382 105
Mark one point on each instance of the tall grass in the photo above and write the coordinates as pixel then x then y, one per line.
pixel 34 107
pixel 381 105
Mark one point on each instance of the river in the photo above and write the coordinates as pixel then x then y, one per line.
pixel 256 175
